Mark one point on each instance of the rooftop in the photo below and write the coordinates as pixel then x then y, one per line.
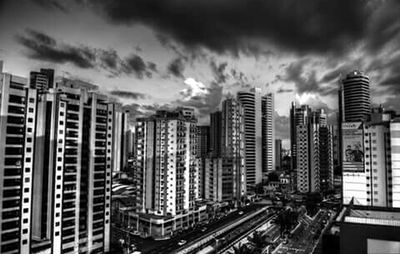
pixel 371 216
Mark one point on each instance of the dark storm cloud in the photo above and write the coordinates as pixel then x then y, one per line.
pixel 305 79
pixel 41 46
pixel 176 67
pixel 1 5
pixel 239 77
pixel 231 25
pixel 129 94
pixel 52 4
pixel 384 25
pixel 135 64
pixel 219 71
pixel 284 90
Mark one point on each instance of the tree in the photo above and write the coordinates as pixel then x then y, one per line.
pixel 312 201
pixel 257 240
pixel 273 177
pixel 259 189
pixel 241 249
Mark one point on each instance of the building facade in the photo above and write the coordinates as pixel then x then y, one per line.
pixel 354 97
pixel 370 163
pixel 258 132
pixel 268 134
pixel 278 154
pixel 298 116
pixel 57 140
pixel 314 154
pixel 167 170
pixel 233 151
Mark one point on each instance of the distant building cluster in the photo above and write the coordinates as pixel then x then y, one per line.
pixel 181 166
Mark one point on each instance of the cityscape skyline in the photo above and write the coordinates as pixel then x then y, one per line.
pixel 147 65
pixel 188 126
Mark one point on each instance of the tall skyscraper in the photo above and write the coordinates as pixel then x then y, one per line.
pixel 233 153
pixel 258 121
pixel 204 141
pixel 122 142
pixel 314 154
pixel 167 167
pixel 354 98
pixel 251 102
pixel 268 134
pixel 215 133
pixel 298 116
pixel 56 149
pixel 203 151
pixel 16 165
pixel 278 154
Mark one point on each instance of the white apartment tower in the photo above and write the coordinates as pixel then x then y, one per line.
pixel 314 154
pixel 371 172
pixel 167 163
pixel 56 146
pixel 258 132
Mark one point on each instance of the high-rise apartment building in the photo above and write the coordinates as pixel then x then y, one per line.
pixel 258 121
pixel 251 102
pixel 268 134
pixel 314 154
pixel 167 168
pixel 233 150
pixel 354 98
pixel 215 133
pixel 371 162
pixel 225 175
pixel 298 116
pixel 17 114
pixel 122 142
pixel 56 158
pixel 204 141
pixel 278 154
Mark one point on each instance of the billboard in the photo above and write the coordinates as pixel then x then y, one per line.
pixel 352 147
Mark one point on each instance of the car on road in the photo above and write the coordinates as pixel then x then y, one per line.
pixel 241 212
pixel 182 242
pixel 203 229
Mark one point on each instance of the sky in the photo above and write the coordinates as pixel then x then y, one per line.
pixel 152 54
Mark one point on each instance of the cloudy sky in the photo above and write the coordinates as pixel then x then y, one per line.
pixel 151 54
